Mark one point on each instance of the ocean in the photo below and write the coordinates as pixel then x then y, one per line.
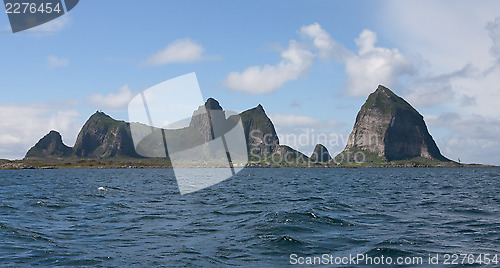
pixel 260 217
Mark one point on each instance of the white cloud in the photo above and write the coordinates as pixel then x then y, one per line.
pixel 53 62
pixel 373 66
pixel 179 51
pixel 31 122
pixel 116 100
pixel 324 43
pixel 295 61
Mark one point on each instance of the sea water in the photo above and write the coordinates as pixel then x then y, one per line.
pixel 273 217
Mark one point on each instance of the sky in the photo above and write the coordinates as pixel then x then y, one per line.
pixel 311 64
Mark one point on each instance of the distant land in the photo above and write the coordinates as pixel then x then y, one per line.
pixel 388 132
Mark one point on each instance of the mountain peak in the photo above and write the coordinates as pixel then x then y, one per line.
pixel 54 133
pixel 99 114
pixel 391 128
pixel 382 88
pixel 386 101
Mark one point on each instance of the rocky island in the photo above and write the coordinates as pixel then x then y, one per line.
pixel 388 131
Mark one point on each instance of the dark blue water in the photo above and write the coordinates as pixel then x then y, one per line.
pixel 260 217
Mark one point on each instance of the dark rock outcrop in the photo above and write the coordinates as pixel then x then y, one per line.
pixel 50 146
pixel 390 128
pixel 320 154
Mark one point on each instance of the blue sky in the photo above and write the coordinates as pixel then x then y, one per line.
pixel 311 64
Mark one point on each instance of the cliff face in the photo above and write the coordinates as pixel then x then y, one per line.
pixel 391 128
pixel 50 146
pixel 103 137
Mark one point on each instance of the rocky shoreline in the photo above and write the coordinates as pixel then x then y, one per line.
pixel 107 164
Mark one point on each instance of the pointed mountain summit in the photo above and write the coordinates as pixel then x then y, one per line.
pixel 50 146
pixel 392 129
pixel 320 154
